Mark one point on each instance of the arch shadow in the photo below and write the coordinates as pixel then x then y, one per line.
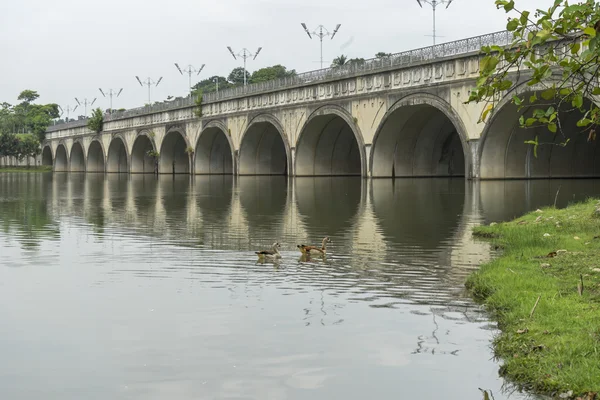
pixel 420 135
pixel 61 160
pixel 141 162
pixel 47 155
pixel 264 149
pixel 505 155
pixel 117 156
pixel 77 159
pixel 213 153
pixel 330 144
pixel 173 156
pixel 95 157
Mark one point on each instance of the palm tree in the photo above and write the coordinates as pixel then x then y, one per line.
pixel 339 61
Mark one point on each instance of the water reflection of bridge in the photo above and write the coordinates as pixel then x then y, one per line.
pixel 391 235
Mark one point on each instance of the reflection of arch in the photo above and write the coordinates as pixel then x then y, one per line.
pixel 264 209
pixel 117 155
pixel 214 153
pixel 141 162
pixel 328 205
pixel 264 149
pixel 61 160
pixel 216 207
pixel 47 155
pixel 77 159
pixel 173 156
pixel 329 144
pixel 420 135
pixel 405 207
pixel 95 157
pixel 505 155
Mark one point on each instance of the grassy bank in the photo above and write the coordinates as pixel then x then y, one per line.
pixel 550 340
pixel 45 168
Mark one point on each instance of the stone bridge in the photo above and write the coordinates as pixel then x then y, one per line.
pixel 400 116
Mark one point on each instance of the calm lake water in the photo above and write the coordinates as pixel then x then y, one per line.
pixel 135 287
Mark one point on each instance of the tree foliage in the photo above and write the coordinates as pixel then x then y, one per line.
pixel 339 61
pixel 209 85
pixel 236 76
pixel 557 51
pixel 96 121
pixel 27 117
pixel 382 54
pixel 19 145
pixel 271 73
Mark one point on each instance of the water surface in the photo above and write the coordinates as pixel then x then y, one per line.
pixel 143 288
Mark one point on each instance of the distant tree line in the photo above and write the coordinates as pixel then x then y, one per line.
pixel 23 126
pixel 236 76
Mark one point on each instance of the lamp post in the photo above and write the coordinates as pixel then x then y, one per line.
pixel 189 72
pixel 149 82
pixel 69 109
pixel 110 94
pixel 245 54
pixel 85 103
pixel 434 4
pixel 320 34
pixel 216 81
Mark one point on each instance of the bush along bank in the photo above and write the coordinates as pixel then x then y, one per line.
pixel 544 291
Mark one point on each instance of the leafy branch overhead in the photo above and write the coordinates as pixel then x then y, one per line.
pixel 555 56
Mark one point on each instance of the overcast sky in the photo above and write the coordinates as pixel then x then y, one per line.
pixel 66 48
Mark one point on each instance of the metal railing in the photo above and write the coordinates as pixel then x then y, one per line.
pixel 402 59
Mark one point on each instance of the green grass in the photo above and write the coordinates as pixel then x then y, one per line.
pixel 42 168
pixel 557 349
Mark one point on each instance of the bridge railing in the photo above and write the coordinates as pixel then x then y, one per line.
pixel 405 58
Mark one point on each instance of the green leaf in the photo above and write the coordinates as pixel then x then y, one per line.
pixel 486 111
pixel 548 94
pixel 577 100
pixel 575 48
pixel 590 31
pixel 552 127
pixel 533 98
pixel 539 113
pixel 512 25
pixel 524 17
pixel 596 91
pixel 522 120
pixel 517 100
pixel 549 111
pixel 488 63
pixel 565 91
pixel 583 122
pixel 530 121
pixel 509 5
pixel 504 85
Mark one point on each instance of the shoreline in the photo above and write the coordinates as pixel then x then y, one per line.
pixel 26 169
pixel 544 292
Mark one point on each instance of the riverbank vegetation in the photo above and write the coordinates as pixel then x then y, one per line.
pixel 39 168
pixel 544 291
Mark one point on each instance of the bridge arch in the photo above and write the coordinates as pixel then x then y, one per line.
pixel 61 158
pixel 330 144
pixel 77 158
pixel 117 155
pixel 141 162
pixel 95 157
pixel 47 155
pixel 214 150
pixel 420 135
pixel 264 149
pixel 173 156
pixel 503 153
